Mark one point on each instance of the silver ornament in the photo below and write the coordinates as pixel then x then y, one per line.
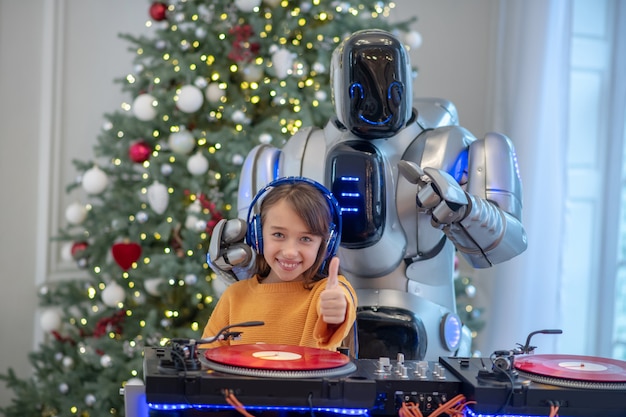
pixel 90 399
pixel 166 169
pixel 141 217
pixel 106 361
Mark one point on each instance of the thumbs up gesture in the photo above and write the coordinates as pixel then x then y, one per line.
pixel 333 301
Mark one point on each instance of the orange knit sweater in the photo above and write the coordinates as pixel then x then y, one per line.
pixel 290 312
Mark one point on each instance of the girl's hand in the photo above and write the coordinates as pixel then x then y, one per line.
pixel 333 302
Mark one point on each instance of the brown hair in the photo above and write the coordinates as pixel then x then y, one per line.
pixel 311 205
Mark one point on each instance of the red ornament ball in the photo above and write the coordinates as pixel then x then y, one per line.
pixel 158 11
pixel 78 249
pixel 139 151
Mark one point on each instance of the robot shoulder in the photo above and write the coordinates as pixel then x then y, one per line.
pixel 493 172
pixel 435 112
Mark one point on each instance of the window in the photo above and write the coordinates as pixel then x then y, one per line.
pixel 594 257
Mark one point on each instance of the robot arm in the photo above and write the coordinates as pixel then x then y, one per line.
pixel 484 221
pixel 229 256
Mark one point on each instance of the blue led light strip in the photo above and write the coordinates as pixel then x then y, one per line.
pixel 182 406
pixel 470 413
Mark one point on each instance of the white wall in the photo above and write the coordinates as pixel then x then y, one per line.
pixel 58 59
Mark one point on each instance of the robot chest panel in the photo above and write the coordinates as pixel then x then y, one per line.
pixel 358 174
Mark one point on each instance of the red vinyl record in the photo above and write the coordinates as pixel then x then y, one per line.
pixel 580 368
pixel 276 357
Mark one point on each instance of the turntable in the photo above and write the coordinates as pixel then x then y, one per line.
pixel 520 382
pixel 261 377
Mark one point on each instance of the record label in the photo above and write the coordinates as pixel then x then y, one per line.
pixel 276 357
pixel 580 368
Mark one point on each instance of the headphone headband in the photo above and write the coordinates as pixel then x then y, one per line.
pixel 254 233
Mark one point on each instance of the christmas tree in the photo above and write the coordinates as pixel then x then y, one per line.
pixel 212 80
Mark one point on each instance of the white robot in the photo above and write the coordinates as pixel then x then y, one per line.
pixel 414 188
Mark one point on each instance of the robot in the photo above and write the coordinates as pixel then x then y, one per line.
pixel 415 189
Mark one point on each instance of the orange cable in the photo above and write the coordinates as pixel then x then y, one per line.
pixel 232 400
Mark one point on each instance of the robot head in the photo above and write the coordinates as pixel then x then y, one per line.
pixel 372 86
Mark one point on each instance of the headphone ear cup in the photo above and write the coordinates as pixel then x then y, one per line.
pixel 255 234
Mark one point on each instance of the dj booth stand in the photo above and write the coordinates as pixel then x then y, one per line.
pixel 375 388
pixel 135 404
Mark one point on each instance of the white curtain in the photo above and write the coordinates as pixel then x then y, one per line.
pixel 530 106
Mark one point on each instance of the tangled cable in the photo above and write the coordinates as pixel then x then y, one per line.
pixel 232 400
pixel 452 408
pixel 554 408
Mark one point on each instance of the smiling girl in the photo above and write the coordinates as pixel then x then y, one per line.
pixel 296 290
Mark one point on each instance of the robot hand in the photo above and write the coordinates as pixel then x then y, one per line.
pixel 228 253
pixel 438 193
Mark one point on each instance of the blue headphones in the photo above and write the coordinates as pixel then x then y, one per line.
pixel 254 233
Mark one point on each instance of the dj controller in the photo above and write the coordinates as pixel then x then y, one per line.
pixel 297 379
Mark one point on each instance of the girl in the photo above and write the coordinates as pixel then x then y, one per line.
pixel 295 238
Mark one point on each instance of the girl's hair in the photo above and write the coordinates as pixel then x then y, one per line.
pixel 311 205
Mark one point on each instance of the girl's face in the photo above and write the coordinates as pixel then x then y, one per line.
pixel 289 248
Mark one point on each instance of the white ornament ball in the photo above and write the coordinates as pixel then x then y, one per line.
pixel 247 5
pixel 190 222
pixel 58 356
pixel 152 286
pixel 214 93
pixel 200 82
pixel 158 197
pixel 181 142
pixel 113 294
pixel 95 180
pixel 50 320
pixel 191 279
pixel 68 362
pixel 64 388
pixel 134 381
pixel 239 117
pixel 194 207
pixel 282 61
pixel 200 32
pixel 413 39
pixel 265 138
pixel 200 226
pixel 237 159
pixel 190 99
pixel 197 164
pixel 144 107
pixel 106 361
pixel 166 170
pixel 90 400
pixel 141 217
pixel 76 213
